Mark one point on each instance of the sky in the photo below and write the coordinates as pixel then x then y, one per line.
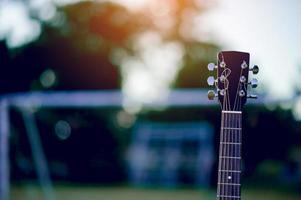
pixel 269 29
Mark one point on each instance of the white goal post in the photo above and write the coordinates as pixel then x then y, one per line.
pixel 78 99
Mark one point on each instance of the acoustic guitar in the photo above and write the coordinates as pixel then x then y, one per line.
pixel 232 93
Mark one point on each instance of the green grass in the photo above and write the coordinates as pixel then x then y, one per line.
pixel 129 193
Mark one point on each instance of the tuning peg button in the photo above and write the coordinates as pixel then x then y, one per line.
pixel 210 80
pixel 254 83
pixel 211 66
pixel 255 69
pixel 243 79
pixel 222 64
pixel 244 65
pixel 242 93
pixel 211 95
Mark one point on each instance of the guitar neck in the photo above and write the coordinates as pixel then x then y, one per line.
pixel 229 168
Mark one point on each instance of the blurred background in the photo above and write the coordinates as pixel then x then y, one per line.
pixel 108 99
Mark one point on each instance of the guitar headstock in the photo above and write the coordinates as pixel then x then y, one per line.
pixel 232 80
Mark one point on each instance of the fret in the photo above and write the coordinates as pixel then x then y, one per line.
pixel 231 112
pixel 231 121
pixel 233 171
pixel 230 151
pixel 233 184
pixel 231 197
pixel 231 143
pixel 229 157
pixel 230 128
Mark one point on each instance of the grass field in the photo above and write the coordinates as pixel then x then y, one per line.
pixel 128 193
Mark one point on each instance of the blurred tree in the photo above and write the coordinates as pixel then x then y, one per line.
pixel 79 46
pixel 76 46
pixel 194 74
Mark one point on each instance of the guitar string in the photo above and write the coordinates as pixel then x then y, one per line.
pixel 220 164
pixel 226 160
pixel 238 89
pixel 220 157
pixel 220 161
pixel 240 141
pixel 220 148
pixel 228 108
pixel 223 138
pixel 237 147
pixel 240 146
pixel 235 188
pixel 233 153
pixel 238 152
pixel 228 154
pixel 229 160
pixel 224 153
pixel 221 152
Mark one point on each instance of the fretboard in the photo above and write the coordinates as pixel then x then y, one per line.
pixel 229 168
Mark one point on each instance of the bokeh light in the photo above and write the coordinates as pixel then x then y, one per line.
pixel 62 130
pixel 16 25
pixel 148 76
pixel 48 78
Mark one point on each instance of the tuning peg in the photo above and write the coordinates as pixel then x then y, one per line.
pixel 255 69
pixel 252 96
pixel 210 80
pixel 211 66
pixel 254 83
pixel 211 95
pixel 244 65
pixel 243 79
pixel 242 93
